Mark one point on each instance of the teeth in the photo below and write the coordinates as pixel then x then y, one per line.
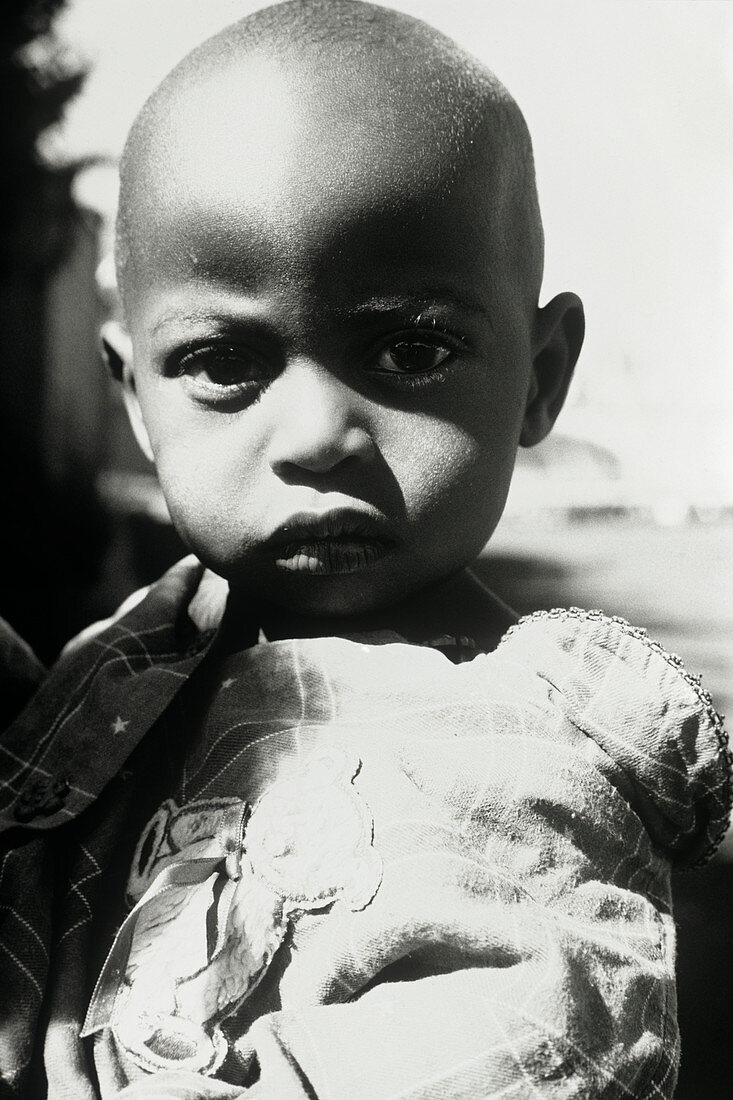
pixel 328 556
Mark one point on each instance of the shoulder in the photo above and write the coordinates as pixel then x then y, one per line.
pixel 98 627
pixel 665 745
pixel 77 729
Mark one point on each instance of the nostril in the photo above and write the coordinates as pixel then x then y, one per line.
pixel 318 420
pixel 319 451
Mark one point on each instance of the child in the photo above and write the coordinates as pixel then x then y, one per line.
pixel 299 824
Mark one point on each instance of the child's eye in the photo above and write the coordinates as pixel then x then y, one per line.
pixel 219 373
pixel 411 356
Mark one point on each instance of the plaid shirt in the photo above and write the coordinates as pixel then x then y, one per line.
pixel 554 783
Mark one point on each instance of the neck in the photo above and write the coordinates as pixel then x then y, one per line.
pixel 458 606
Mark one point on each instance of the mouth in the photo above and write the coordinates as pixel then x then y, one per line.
pixel 330 543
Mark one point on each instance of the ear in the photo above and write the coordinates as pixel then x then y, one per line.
pixel 117 351
pixel 558 338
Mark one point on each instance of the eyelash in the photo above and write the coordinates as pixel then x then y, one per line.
pixel 417 381
pixel 196 360
pixel 440 339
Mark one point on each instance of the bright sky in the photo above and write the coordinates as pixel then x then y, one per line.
pixel 630 104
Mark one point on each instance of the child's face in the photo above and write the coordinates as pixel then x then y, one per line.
pixel 332 380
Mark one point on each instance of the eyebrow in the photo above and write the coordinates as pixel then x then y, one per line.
pixel 199 316
pixel 416 302
pixel 174 317
pixel 421 301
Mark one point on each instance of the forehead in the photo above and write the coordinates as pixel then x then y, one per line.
pixel 284 133
pixel 267 169
pixel 343 94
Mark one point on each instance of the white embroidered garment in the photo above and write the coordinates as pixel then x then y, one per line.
pixel 388 876
pixel 198 941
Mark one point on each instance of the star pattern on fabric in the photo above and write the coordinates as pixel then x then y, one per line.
pixel 120 725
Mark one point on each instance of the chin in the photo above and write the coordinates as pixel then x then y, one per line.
pixel 333 601
pixel 335 598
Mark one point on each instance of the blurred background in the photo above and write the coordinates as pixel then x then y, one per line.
pixel 627 507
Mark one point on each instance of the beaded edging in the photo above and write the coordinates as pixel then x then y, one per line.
pixel 693 681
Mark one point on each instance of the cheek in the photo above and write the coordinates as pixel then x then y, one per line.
pixel 198 498
pixel 451 466
pixel 200 469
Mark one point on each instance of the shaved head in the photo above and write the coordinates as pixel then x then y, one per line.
pixel 330 256
pixel 315 104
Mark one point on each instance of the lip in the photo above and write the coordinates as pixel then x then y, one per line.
pixel 339 541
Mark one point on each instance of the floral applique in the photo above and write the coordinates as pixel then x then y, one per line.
pixel 216 886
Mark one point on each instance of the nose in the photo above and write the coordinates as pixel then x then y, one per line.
pixel 320 422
